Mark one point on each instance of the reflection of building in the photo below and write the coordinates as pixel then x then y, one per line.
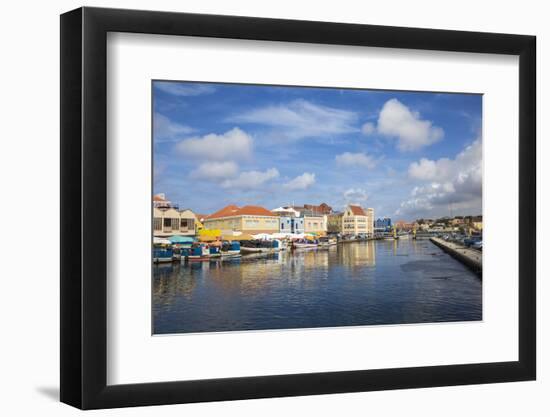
pixel 171 222
pixel 358 255
pixel 358 221
pixel 247 219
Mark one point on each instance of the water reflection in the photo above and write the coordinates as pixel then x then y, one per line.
pixel 392 281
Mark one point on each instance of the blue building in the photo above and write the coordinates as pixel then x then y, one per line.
pixel 382 224
pixel 297 225
pixel 289 224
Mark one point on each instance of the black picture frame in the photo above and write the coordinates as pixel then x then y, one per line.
pixel 84 207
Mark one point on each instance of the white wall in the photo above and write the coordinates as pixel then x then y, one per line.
pixel 29 174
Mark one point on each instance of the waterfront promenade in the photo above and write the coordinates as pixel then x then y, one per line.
pixel 470 257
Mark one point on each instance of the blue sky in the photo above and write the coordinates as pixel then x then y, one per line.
pixel 406 154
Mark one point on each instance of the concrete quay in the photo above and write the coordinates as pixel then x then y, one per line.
pixel 470 257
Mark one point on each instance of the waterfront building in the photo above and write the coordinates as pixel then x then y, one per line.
pixel 322 209
pixel 172 222
pixel 291 220
pixel 404 225
pixel 358 221
pixel 287 211
pixel 160 201
pixel 335 223
pixel 382 224
pixel 288 224
pixel 285 224
pixel 247 219
pixel 315 224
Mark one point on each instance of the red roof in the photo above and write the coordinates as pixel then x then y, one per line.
pixel 357 210
pixel 158 198
pixel 201 216
pixel 233 210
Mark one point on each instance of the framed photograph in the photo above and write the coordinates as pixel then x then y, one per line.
pixel 257 208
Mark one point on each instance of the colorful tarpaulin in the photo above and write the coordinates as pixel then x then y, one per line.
pixel 181 239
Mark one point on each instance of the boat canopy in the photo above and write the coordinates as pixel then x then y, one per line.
pixel 181 239
pixel 161 241
pixel 263 236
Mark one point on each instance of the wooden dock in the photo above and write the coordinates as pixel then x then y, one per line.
pixel 470 257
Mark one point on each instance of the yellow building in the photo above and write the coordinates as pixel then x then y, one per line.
pixel 171 222
pixel 358 221
pixel 247 219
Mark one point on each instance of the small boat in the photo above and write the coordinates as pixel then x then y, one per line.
pixel 327 241
pixel 261 246
pixel 162 251
pixel 231 250
pixel 199 252
pixel 214 252
pixel 305 244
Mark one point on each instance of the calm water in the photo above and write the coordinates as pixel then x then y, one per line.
pixel 364 283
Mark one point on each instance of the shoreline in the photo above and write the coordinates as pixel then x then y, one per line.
pixel 471 258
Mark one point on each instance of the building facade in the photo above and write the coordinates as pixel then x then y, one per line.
pixel 289 224
pixel 172 222
pixel 382 224
pixel 321 209
pixel 358 221
pixel 247 219
pixel 335 223
pixel 315 224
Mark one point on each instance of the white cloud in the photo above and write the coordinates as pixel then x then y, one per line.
pixel 356 160
pixel 301 119
pixel 412 132
pixel 166 130
pixel 368 128
pixel 232 145
pixel 216 171
pixel 251 179
pixel 427 169
pixel 355 195
pixel 184 89
pixel 445 182
pixel 301 182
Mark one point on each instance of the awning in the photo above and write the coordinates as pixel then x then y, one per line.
pixel 181 239
pixel 161 241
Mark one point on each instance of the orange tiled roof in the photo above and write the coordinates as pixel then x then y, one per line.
pixel 158 198
pixel 357 210
pixel 201 216
pixel 233 210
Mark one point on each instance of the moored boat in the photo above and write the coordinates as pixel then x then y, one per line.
pixel 199 252
pixel 231 250
pixel 261 246
pixel 162 250
pixel 305 244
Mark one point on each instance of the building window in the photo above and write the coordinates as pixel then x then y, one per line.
pixel 167 222
pixel 183 224
pixel 157 223
pixel 175 223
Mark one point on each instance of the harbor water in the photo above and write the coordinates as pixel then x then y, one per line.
pixel 351 284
